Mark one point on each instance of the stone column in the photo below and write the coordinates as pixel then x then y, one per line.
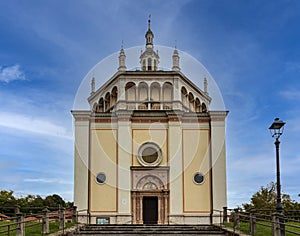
pixel 62 218
pixel 139 207
pixel 166 207
pixel 161 96
pixel 276 225
pixel 45 221
pixel 252 222
pixel 74 217
pixel 160 209
pixel 136 96
pixel 236 218
pixel 149 93
pixel 20 225
pixel 17 210
pixel 134 212
pixel 141 210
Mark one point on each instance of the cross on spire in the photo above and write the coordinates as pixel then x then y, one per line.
pixel 149 21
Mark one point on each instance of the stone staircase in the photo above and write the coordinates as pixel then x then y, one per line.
pixel 208 230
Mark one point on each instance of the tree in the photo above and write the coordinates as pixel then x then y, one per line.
pixel 7 201
pixel 29 203
pixel 54 201
pixel 7 198
pixel 38 202
pixel 266 199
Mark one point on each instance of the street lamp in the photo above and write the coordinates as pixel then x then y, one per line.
pixel 276 130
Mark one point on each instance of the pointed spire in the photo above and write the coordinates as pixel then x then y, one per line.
pixel 149 35
pixel 93 85
pixel 205 85
pixel 122 59
pixel 175 57
pixel 149 21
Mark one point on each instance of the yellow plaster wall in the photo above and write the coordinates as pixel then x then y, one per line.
pixel 103 159
pixel 195 154
pixel 158 136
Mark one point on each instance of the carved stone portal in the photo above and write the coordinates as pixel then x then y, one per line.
pixel 150 182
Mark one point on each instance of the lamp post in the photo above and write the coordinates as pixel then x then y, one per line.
pixel 276 130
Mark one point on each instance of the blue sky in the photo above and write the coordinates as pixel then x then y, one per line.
pixel 251 48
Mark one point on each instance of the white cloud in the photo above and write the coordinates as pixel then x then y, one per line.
pixel 49 181
pixel 32 124
pixel 293 66
pixel 11 73
pixel 291 94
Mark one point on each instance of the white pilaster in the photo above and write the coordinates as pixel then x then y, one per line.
pixel 218 149
pixel 81 146
pixel 176 169
pixel 124 163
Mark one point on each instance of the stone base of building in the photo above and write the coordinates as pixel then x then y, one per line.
pixel 190 219
pixel 121 219
pixel 204 219
pixel 105 219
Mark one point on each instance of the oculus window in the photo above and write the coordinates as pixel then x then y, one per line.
pixel 198 178
pixel 101 178
pixel 149 154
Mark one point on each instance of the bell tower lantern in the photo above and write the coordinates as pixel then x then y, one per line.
pixel 149 59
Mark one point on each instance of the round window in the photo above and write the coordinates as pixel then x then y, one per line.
pixel 101 178
pixel 198 178
pixel 149 154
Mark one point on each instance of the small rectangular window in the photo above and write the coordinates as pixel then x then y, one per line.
pixel 102 221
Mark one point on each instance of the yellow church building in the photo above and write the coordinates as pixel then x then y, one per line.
pixel 149 150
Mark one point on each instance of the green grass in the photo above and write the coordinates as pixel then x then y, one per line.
pixel 262 230
pixel 290 228
pixel 36 229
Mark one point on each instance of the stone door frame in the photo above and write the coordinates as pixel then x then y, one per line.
pixel 137 205
pixel 150 182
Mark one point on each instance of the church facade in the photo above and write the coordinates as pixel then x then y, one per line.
pixel 149 150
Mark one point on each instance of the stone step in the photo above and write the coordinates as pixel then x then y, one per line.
pixel 165 230
pixel 186 233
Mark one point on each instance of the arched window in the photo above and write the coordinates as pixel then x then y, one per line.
pixel 100 105
pixel 114 96
pixel 95 107
pixel 167 92
pixel 130 91
pixel 144 65
pixel 191 102
pixel 197 105
pixel 149 63
pixel 107 101
pixel 143 92
pixel 184 96
pixel 155 92
pixel 204 108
